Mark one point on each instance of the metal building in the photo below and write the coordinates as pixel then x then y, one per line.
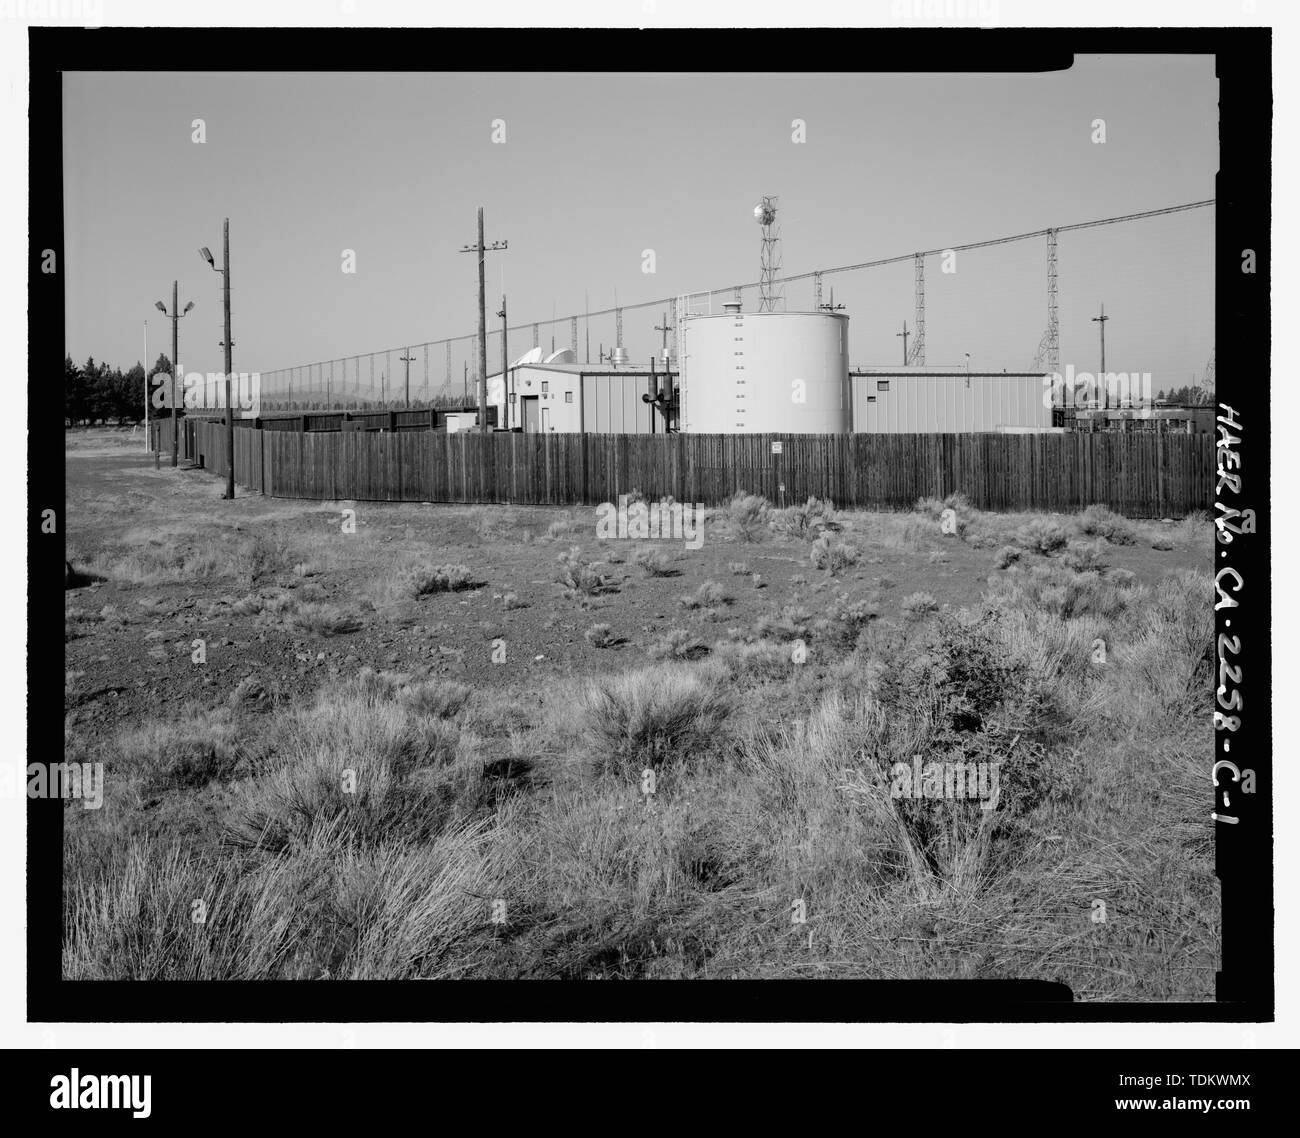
pixel 949 401
pixel 559 395
pixel 757 372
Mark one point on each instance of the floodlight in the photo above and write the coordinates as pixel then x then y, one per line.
pixel 207 256
pixel 187 307
pixel 158 304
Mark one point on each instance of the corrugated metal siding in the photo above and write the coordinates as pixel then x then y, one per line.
pixel 613 405
pixel 920 404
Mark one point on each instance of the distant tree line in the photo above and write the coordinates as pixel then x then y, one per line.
pixel 96 393
pixel 1193 396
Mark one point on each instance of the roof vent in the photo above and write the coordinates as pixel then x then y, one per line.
pixel 618 356
pixel 732 307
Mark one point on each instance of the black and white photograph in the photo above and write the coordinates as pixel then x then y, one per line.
pixel 767 534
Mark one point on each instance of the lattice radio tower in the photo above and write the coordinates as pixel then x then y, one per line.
pixel 916 357
pixel 1048 356
pixel 771 292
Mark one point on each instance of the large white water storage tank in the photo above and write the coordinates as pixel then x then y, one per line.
pixel 765 372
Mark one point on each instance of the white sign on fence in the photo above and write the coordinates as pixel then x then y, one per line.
pixel 776 448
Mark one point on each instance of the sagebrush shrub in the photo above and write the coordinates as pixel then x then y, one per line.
pixel 1100 521
pixel 708 595
pixel 600 636
pixel 421 580
pixel 654 561
pixel 678 644
pixel 579 577
pixel 790 623
pixel 1042 535
pixel 844 621
pixel 1083 557
pixel 810 520
pixel 919 604
pixel 746 515
pixel 964 700
pixel 835 556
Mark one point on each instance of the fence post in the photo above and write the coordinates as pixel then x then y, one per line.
pixel 1160 467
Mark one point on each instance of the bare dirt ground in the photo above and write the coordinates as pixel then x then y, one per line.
pixel 134 651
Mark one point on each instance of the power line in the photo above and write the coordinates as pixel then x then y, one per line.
pixel 879 263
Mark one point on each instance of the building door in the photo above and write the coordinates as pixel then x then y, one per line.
pixel 532 422
pixel 546 418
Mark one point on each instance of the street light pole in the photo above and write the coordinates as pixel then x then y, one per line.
pixel 174 316
pixel 176 320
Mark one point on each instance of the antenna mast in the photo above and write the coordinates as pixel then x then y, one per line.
pixel 771 297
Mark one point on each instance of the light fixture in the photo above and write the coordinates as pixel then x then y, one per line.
pixel 158 304
pixel 187 307
pixel 207 256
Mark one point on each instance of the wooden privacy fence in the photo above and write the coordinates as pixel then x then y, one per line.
pixel 1142 475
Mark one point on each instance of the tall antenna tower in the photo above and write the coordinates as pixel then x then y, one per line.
pixel 771 296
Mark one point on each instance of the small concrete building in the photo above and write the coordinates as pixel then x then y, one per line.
pixel 932 400
pixel 556 394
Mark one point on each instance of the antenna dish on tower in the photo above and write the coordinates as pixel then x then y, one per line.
pixel 770 297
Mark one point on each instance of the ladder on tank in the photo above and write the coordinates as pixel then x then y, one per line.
pixel 687 306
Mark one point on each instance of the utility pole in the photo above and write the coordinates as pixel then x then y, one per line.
pixel 174 316
pixel 1101 378
pixel 481 249
pixel 664 328
pixel 407 360
pixel 586 308
pixel 227 343
pixel 505 368
pixel 465 397
pixel 146 385
pixel 904 333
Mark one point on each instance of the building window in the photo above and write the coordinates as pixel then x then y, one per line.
pixel 882 385
pixel 568 396
pixel 546 386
